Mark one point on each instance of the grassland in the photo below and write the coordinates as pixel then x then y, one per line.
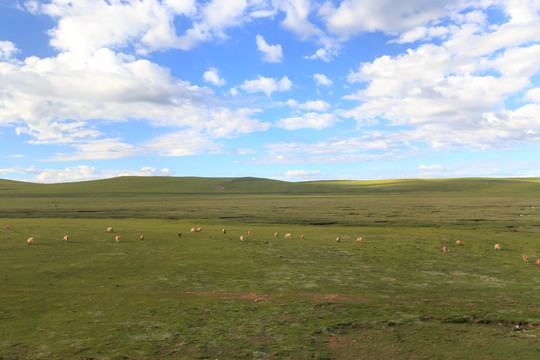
pixel 207 295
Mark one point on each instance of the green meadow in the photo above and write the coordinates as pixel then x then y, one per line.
pixel 208 295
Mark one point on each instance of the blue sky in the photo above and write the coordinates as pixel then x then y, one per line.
pixel 284 89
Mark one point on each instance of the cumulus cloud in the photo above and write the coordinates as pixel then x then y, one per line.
pixel 7 50
pixel 297 18
pixel 324 54
pixel 271 53
pixel 322 80
pixel 352 17
pixel 87 25
pixel 301 175
pixel 266 85
pixel 213 77
pixel 316 105
pixel 309 120
pixel 452 93
pixel 80 173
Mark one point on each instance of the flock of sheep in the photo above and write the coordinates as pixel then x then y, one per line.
pixel 497 247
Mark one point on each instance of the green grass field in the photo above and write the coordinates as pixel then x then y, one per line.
pixel 208 295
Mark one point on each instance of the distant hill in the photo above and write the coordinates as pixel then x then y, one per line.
pixel 250 185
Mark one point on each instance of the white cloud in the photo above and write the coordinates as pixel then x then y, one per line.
pixel 271 53
pixel 213 77
pixel 85 26
pixel 55 100
pixel 80 173
pixel 352 17
pixel 534 95
pixel 301 175
pixel 219 123
pixel 316 105
pixel 7 50
pixel 296 19
pixel 422 33
pixel 181 6
pixel 322 80
pixel 266 85
pixel 182 143
pixel 310 120
pixel 452 93
pixel 324 54
pixel 222 14
pixel 226 123
pixel 102 149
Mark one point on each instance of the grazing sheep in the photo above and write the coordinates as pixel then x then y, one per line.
pixel 302 236
pixel 497 246
pixel 287 236
pixel 525 258
pixel 30 240
pixel 8 227
pixel 338 239
pixel 141 237
pixel 193 230
pixel 198 229
pixel 242 238
pixel 445 249
pixel 117 238
pixel 179 234
pixel 276 234
pixel 224 231
pixel 250 232
pixel 109 229
pixel 66 238
pixel 538 261
pixel 359 239
pixel 459 243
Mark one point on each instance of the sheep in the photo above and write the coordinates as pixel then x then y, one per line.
pixel 497 246
pixel 445 249
pixel 224 230
pixel 242 238
pixel 198 229
pixel 193 229
pixel 8 227
pixel 141 237
pixel 538 261
pixel 66 238
pixel 109 229
pixel 117 238
pixel 250 232
pixel 302 236
pixel 276 234
pixel 338 239
pixel 30 240
pixel 359 239
pixel 179 234
pixel 525 258
pixel 459 243
pixel 287 236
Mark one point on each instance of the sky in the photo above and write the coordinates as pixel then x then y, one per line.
pixel 292 90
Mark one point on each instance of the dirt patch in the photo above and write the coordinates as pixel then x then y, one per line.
pixel 250 296
pixel 232 295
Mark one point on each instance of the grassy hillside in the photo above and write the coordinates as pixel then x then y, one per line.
pixel 457 202
pixel 197 185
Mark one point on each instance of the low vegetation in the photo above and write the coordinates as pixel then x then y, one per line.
pixel 208 295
